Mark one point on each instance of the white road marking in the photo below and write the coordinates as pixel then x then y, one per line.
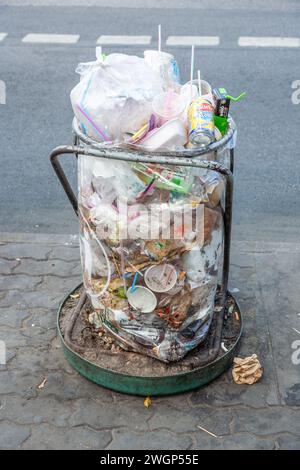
pixel 247 41
pixel 125 40
pixel 2 92
pixel 193 41
pixel 243 41
pixel 52 38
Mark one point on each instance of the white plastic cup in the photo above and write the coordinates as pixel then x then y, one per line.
pixel 165 65
pixel 206 91
pixel 168 105
pixel 141 298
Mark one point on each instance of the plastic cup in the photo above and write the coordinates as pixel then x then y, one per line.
pixel 141 298
pixel 206 91
pixel 168 105
pixel 161 278
pixel 165 65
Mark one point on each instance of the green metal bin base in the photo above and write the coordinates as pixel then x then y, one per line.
pixel 153 385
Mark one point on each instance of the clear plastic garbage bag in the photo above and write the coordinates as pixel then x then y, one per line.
pixel 151 240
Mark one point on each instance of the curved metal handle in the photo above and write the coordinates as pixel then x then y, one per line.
pixel 54 157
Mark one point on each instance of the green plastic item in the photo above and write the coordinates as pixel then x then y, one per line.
pixel 221 123
pixel 177 184
pixel 237 98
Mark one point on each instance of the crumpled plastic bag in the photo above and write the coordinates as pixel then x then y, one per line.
pixel 114 96
pixel 247 370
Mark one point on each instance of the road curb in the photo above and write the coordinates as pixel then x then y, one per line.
pixel 242 246
pixel 40 238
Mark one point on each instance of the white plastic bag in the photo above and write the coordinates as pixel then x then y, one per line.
pixel 114 96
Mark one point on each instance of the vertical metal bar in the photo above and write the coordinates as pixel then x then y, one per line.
pixel 231 160
pixel 61 174
pixel 226 263
pixel 227 235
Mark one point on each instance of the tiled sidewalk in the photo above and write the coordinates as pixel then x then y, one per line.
pixel 70 412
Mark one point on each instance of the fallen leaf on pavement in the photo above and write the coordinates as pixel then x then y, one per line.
pixel 75 296
pixel 247 370
pixel 147 402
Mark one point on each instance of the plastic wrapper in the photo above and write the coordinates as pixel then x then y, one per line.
pixel 151 240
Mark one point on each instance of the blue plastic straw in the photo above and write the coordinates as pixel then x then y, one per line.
pixel 132 288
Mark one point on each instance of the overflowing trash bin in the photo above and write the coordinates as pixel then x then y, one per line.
pixel 154 200
pixel 151 238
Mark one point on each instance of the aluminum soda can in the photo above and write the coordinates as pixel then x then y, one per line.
pixel 201 122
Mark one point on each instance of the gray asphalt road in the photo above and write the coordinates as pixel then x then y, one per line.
pixel 38 115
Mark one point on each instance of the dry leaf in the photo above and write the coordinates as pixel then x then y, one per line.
pixel 75 296
pixel 147 402
pixel 42 385
pixel 247 370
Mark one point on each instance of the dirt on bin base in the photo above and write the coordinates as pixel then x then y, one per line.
pixel 104 351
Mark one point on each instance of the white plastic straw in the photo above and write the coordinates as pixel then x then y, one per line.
pixel 159 38
pixel 123 265
pixel 199 84
pixel 192 69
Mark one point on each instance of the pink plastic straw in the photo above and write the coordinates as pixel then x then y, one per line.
pixel 167 104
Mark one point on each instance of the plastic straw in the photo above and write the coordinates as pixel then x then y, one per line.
pixel 167 103
pixel 159 38
pixel 169 275
pixel 123 265
pixel 146 191
pixel 192 69
pixel 199 84
pixel 132 288
pixel 237 98
pixel 97 128
pixel 136 270
pixel 163 272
